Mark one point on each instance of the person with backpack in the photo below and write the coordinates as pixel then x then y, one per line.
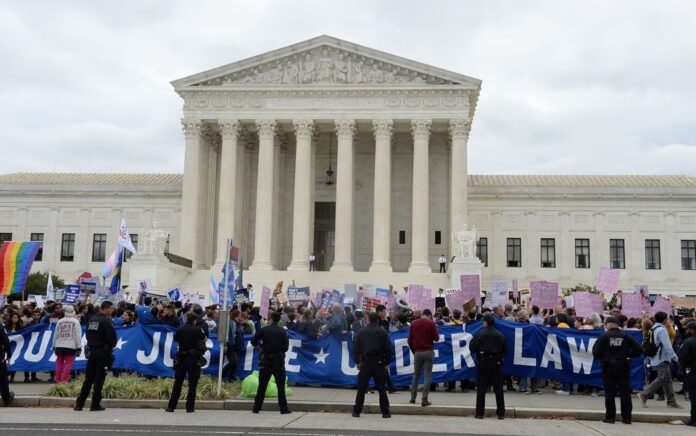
pixel 658 348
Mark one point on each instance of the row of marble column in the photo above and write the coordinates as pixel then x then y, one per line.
pixel 302 210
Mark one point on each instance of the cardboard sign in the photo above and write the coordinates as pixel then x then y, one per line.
pixel 265 302
pixel 544 294
pixel 582 302
pixel 597 303
pixel 632 305
pixel 499 292
pixel 608 280
pixel 471 286
pixel 641 289
pixel 469 305
pixel 661 304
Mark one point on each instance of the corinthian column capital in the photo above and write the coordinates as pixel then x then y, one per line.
pixel 421 128
pixel 191 127
pixel 228 128
pixel 345 127
pixel 459 128
pixel 303 128
pixel 382 128
pixel 266 128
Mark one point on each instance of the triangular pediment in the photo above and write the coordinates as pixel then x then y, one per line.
pixel 325 61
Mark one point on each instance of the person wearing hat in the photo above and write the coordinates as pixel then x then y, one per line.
pixel 687 361
pixel 614 349
pixel 67 343
pixel 490 346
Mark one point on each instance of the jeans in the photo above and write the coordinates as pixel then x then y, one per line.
pixel 663 381
pixel 422 361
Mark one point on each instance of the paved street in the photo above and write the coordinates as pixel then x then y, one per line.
pixel 29 421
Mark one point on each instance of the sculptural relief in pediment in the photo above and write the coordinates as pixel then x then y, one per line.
pixel 325 66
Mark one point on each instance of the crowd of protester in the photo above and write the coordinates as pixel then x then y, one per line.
pixel 315 322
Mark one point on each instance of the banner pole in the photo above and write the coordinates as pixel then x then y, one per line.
pixel 224 313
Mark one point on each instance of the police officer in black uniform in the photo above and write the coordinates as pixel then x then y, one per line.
pixel 490 346
pixel 187 362
pixel 101 340
pixel 687 361
pixel 274 344
pixel 614 349
pixel 5 355
pixel 372 353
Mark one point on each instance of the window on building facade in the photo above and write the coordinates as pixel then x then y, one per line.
pixel 402 237
pixel 617 254
pixel 5 237
pixel 582 253
pixel 438 237
pixel 134 240
pixel 688 254
pixel 514 252
pixel 67 247
pixel 652 254
pixel 548 253
pixel 99 247
pixel 38 237
pixel 482 250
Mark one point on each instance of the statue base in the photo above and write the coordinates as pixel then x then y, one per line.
pixel 162 273
pixel 463 266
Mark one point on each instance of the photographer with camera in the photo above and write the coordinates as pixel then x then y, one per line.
pixel 101 340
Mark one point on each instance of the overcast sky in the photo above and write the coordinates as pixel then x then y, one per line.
pixel 603 87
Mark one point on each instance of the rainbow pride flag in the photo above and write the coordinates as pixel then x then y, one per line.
pixel 16 259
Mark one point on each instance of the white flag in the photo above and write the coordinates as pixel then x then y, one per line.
pixel 124 237
pixel 50 296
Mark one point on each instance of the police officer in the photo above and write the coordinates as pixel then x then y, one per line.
pixel 5 354
pixel 274 343
pixel 687 361
pixel 490 346
pixel 101 340
pixel 372 353
pixel 188 362
pixel 614 349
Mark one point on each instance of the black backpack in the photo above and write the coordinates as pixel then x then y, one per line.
pixel 650 348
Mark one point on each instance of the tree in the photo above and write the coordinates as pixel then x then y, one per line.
pixel 36 283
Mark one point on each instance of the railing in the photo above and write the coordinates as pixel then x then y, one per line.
pixel 178 260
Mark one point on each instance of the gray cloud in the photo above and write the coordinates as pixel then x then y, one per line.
pixel 568 87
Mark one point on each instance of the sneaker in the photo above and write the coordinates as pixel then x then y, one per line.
pixel 426 403
pixel 643 400
pixel 536 391
pixel 561 392
pixel 412 401
pixel 674 405
pixel 524 391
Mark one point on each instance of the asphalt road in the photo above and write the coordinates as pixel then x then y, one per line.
pixel 171 430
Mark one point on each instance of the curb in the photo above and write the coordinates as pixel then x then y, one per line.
pixel 396 409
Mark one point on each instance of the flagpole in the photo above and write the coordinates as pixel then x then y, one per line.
pixel 222 335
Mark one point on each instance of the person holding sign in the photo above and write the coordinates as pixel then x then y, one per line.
pixel 614 349
pixel 490 345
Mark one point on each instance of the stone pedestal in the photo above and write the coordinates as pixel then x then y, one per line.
pixel 462 266
pixel 163 274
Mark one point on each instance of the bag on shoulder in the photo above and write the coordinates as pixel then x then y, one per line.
pixel 650 348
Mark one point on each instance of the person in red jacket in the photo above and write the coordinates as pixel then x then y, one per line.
pixel 421 337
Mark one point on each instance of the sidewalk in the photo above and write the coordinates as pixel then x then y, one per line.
pixel 313 399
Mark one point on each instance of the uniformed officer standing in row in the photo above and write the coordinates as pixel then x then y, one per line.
pixel 687 361
pixel 274 344
pixel 372 354
pixel 101 340
pixel 614 349
pixel 188 361
pixel 5 355
pixel 490 346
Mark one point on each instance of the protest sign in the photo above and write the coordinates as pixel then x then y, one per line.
pixel 72 293
pixel 499 292
pixel 265 302
pixel 597 303
pixel 582 302
pixel 632 305
pixel 369 304
pixel 297 296
pixel 282 298
pixel 350 289
pixel 544 294
pixel 359 296
pixel 382 294
pixel 369 290
pixel 336 297
pixel 471 286
pixel 59 294
pixel 40 302
pixel 661 304
pixel 174 294
pixel 515 289
pixel 456 299
pixel 608 280
pixel 414 296
pixel 641 289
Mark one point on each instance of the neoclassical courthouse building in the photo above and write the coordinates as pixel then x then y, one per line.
pixel 359 157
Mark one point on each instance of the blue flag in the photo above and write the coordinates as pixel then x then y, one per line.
pixel 116 279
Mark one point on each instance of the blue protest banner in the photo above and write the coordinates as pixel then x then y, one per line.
pixel 72 294
pixel 533 351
